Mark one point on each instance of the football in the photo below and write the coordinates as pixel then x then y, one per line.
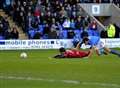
pixel 23 55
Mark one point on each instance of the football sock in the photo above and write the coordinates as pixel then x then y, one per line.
pixel 115 52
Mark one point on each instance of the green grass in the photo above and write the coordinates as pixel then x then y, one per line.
pixel 95 72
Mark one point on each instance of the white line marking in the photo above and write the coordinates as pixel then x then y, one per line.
pixel 62 81
pixel 70 81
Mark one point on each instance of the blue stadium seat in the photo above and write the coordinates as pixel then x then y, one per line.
pixel 90 32
pixel 45 36
pixel 96 33
pixel 77 32
pixel 63 34
pixel 31 33
pixel 40 29
pixel 93 32
pixel 1 37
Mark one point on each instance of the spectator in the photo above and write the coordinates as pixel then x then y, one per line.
pixel 53 33
pixel 84 34
pixel 68 9
pixel 97 1
pixel 1 27
pixel 86 1
pixel 14 33
pixel 7 34
pixel 82 1
pixel 66 23
pixel 73 15
pixel 63 13
pixel 46 29
pixel 29 14
pixel 39 6
pixel 93 25
pixel 71 34
pixel 117 29
pixel 105 1
pixel 78 23
pixel 1 4
pixel 80 11
pixel 7 6
pixel 37 35
pixel 48 17
pixel 87 21
pixel 6 25
pixel 111 31
pixel 103 34
pixel 72 24
pixel 28 22
pixel 37 13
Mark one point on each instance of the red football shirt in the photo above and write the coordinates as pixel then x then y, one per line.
pixel 75 54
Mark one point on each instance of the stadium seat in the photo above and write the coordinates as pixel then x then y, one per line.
pixel 63 34
pixel 1 37
pixel 40 29
pixel 96 33
pixel 45 36
pixel 31 34
pixel 77 32
pixel 90 32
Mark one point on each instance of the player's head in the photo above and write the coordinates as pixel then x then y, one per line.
pixel 86 40
pixel 62 50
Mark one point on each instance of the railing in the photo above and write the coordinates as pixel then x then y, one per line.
pixel 100 25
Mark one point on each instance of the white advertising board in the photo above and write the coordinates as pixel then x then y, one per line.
pixel 34 44
pixel 49 44
pixel 112 43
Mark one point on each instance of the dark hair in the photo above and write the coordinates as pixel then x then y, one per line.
pixel 62 49
pixel 85 39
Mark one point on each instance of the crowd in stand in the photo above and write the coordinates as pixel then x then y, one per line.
pixel 5 31
pixel 52 19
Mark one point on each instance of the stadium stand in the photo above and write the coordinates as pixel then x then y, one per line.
pixel 5 30
pixel 60 16
pixel 52 19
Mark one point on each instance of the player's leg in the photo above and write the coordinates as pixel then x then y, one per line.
pixel 112 51
pixel 106 50
pixel 99 49
pixel 115 52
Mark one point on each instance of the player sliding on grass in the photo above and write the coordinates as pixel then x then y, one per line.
pixel 98 45
pixel 74 53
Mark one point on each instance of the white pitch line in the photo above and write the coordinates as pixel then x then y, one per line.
pixel 70 81
pixel 62 81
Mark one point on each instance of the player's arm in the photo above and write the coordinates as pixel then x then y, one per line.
pixel 91 49
pixel 78 46
pixel 90 52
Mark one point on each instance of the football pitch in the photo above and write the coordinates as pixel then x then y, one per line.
pixel 40 70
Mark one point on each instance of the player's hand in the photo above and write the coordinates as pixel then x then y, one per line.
pixel 86 57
